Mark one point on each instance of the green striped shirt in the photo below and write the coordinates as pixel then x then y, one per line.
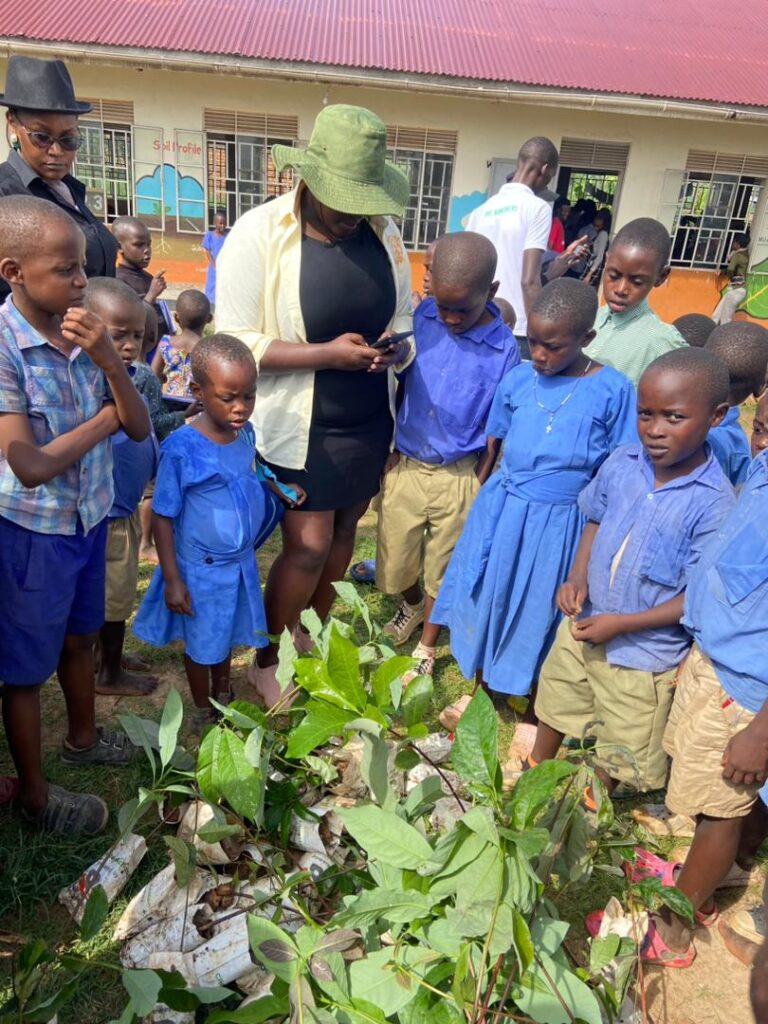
pixel 631 340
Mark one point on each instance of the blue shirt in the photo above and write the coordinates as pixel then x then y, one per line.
pixel 730 447
pixel 726 604
pixel 56 393
pixel 134 463
pixel 449 387
pixel 665 529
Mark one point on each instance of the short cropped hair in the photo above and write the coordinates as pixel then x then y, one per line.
pixel 464 258
pixel 741 240
pixel 193 310
pixel 540 150
pixel 218 348
pixel 109 289
pixel 743 347
pixel 24 223
pixel 646 233
pixel 707 373
pixel 122 225
pixel 569 300
pixel 695 328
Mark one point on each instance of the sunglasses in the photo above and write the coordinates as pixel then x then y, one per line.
pixel 44 140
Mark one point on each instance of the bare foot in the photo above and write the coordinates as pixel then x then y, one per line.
pixel 148 553
pixel 126 684
pixel 133 663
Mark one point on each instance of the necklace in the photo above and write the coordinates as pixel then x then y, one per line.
pixel 568 397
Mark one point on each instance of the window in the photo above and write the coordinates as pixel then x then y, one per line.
pixel 240 171
pixel 717 197
pixel 427 158
pixel 590 169
pixel 104 161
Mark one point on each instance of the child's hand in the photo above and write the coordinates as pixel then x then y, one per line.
pixel 81 327
pixel 596 629
pixel 571 596
pixel 301 496
pixel 745 761
pixel 157 287
pixel 177 597
pixel 386 357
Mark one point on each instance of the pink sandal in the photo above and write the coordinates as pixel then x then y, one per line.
pixel 648 865
pixel 654 950
pixel 9 789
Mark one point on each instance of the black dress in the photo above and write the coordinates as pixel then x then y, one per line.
pixel 345 286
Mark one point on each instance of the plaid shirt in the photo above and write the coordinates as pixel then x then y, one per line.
pixel 57 393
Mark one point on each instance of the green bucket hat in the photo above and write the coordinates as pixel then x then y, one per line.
pixel 345 165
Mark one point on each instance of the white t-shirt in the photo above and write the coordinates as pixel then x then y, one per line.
pixel 514 220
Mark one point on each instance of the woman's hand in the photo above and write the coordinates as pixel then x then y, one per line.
pixel 349 352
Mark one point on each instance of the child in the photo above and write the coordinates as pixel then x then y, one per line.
pixel 695 328
pixel 439 461
pixel 56 360
pixel 759 440
pixel 172 360
pixel 629 334
pixel 208 510
pixel 743 347
pixel 211 246
pixel 507 313
pixel 717 734
pixel 650 511
pixel 736 273
pixel 559 416
pixel 133 466
pixel 417 297
pixel 135 251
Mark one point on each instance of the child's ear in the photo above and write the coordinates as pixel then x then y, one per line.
pixel 209 318
pixel 663 275
pixel 10 270
pixel 589 337
pixel 176 318
pixel 195 390
pixel 719 414
pixel 492 291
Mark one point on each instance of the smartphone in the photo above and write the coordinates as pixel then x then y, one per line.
pixel 393 339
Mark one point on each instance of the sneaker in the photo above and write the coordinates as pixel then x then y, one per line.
pixel 426 666
pixel 71 813
pixel 406 619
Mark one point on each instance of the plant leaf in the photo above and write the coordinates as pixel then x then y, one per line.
pixel 521 934
pixel 207 761
pixel 322 767
pixel 377 904
pixel 252 748
pixel 239 782
pixel 287 657
pixel 170 723
pixel 273 947
pixel 417 697
pixel 344 669
pixel 385 836
pixel 377 980
pixel 535 789
pixel 475 753
pixel 318 725
pixel 406 759
pixel 602 951
pixel 374 768
pixel 538 995
pixel 143 987
pixel 349 595
pixel 184 859
pixel 480 820
pixel 387 672
pixel 255 1013
pixel 94 913
pixel 213 832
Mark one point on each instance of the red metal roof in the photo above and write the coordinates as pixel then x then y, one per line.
pixel 680 49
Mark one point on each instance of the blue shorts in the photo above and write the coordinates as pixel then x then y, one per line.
pixel 52 586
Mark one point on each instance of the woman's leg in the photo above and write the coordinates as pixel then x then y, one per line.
pixel 345 522
pixel 296 572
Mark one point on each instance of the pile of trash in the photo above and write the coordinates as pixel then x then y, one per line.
pixel 200 929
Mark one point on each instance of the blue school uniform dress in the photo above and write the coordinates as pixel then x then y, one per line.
pixel 213 244
pixel 218 506
pixel 649 541
pixel 498 596
pixel 730 445
pixel 726 602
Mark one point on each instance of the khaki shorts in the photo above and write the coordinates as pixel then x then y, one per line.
pixel 698 731
pixel 123 536
pixel 423 511
pixel 628 708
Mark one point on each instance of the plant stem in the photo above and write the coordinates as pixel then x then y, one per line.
pixel 489 990
pixel 555 989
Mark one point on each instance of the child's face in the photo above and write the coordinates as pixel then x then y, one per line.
pixel 672 418
pixel 136 246
pixel 52 278
pixel 219 224
pixel 125 321
pixel 630 274
pixel 429 255
pixel 553 345
pixel 759 440
pixel 228 395
pixel 459 308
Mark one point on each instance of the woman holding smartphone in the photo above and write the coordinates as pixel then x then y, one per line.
pixel 328 277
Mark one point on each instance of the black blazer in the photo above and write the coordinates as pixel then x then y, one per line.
pixel 18 178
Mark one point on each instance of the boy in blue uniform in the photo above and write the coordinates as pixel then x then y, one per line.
pixel 743 347
pixel 134 464
pixel 430 480
pixel 651 510
pixel 56 360
pixel 717 733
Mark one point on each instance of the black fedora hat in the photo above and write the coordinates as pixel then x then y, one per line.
pixel 45 85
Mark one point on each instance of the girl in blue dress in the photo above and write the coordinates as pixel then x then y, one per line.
pixel 559 417
pixel 213 240
pixel 209 512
